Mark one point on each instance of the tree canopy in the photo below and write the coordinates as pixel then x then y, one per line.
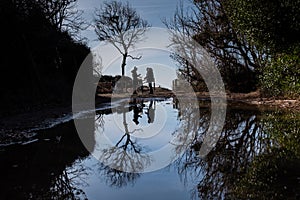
pixel 274 24
pixel 255 43
pixel 119 24
pixel 39 61
pixel 208 23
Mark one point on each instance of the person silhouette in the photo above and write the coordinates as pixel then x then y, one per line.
pixel 150 113
pixel 150 78
pixel 135 79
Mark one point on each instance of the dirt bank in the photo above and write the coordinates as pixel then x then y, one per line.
pixel 255 98
pixel 21 126
pixel 252 98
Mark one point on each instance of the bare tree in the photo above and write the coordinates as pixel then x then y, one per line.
pixel 208 23
pixel 97 64
pixel 64 15
pixel 120 25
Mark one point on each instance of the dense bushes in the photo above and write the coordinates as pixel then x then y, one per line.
pixel 39 61
pixel 251 41
pixel 281 76
pixel 274 27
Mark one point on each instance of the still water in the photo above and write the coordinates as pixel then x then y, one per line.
pixel 137 150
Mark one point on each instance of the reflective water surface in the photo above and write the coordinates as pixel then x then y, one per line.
pixel 256 157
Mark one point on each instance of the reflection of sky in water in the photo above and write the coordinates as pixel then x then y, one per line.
pixel 150 135
pixel 155 145
pixel 143 147
pixel 161 184
pixel 66 167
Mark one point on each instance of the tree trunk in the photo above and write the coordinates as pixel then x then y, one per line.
pixel 124 63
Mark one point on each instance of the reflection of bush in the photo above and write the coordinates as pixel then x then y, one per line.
pixel 47 169
pixel 271 176
pixel 241 140
pixel 275 173
pixel 283 127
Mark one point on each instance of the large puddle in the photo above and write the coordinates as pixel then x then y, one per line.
pixel 149 149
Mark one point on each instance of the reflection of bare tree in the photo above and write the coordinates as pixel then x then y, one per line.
pixel 66 184
pixel 125 160
pixel 99 121
pixel 242 138
pixel 274 174
pixel 117 178
pixel 126 155
pixel 230 157
pixel 128 142
pixel 203 65
pixel 189 126
pixel 248 162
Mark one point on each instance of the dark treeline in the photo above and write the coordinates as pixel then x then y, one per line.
pixel 255 44
pixel 39 58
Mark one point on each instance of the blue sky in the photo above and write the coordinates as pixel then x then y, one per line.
pixel 155 54
pixel 154 11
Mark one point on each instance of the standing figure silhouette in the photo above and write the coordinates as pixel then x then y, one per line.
pixel 135 79
pixel 150 79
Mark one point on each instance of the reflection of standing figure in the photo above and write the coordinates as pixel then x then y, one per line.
pixel 135 79
pixel 137 111
pixel 175 103
pixel 150 113
pixel 150 78
pixel 136 114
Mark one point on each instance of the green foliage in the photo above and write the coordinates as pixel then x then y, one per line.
pixel 272 24
pixel 209 24
pixel 281 76
pixel 252 41
pixel 274 27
